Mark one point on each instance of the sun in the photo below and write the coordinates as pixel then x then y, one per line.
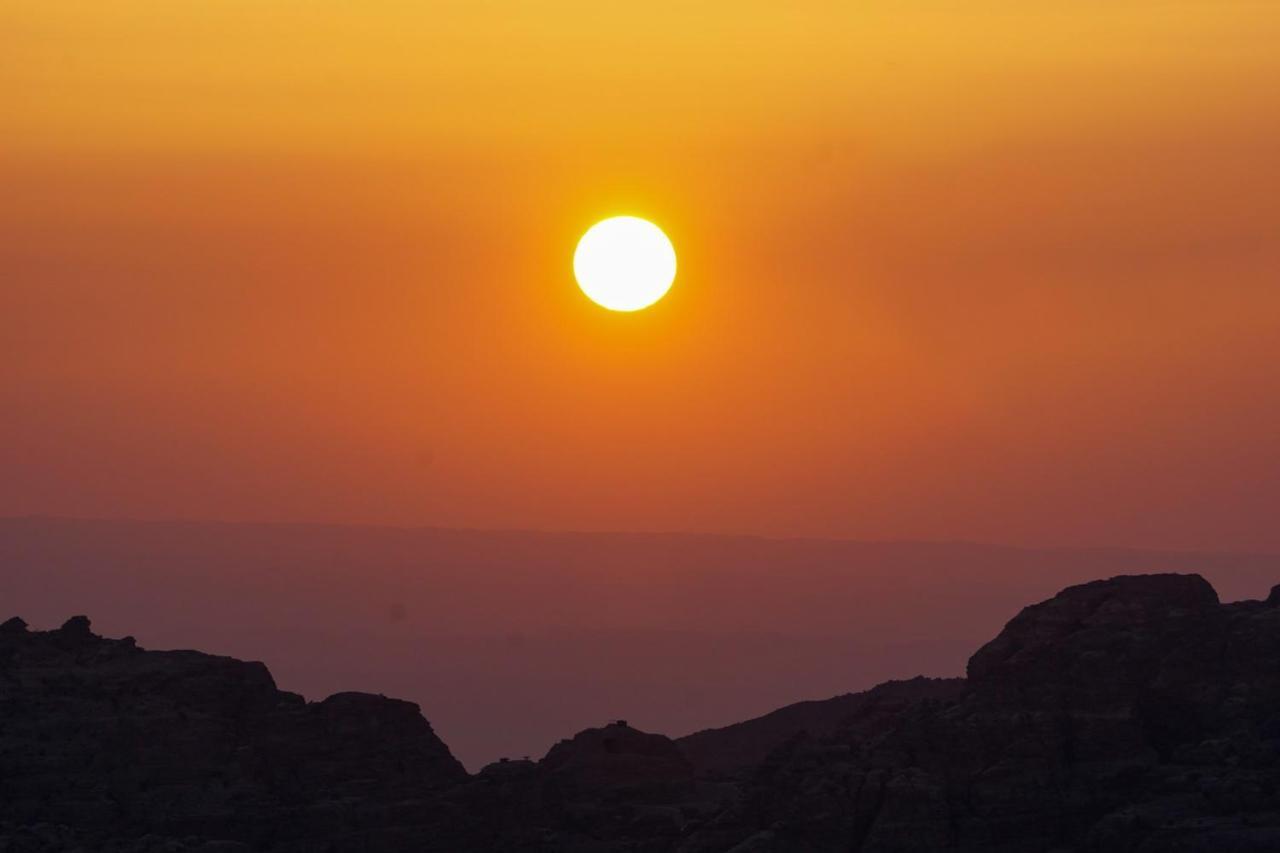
pixel 624 263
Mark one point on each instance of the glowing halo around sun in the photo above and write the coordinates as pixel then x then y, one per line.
pixel 624 263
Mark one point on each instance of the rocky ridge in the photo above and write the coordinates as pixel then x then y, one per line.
pixel 1135 714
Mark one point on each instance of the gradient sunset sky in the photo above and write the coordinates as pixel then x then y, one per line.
pixel 1003 271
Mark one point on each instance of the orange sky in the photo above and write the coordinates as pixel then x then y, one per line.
pixel 984 270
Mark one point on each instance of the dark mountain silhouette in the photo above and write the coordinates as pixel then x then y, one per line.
pixel 1133 714
pixel 732 748
pixel 675 632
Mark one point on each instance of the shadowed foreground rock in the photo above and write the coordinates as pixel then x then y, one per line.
pixel 1136 714
pixel 116 742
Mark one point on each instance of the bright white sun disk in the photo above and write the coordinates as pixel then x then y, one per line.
pixel 625 263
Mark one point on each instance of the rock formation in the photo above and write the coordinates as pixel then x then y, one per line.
pixel 1136 714
pixel 734 748
pixel 111 744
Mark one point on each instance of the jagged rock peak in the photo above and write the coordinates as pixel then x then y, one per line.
pixel 15 624
pixel 77 626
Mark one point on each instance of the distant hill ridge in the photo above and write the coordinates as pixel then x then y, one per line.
pixel 754 623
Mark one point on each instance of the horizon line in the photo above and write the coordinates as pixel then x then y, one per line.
pixel 614 533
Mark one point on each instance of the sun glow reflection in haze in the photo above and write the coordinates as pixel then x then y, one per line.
pixel 624 263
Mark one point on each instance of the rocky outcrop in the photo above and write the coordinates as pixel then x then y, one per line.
pixel 1133 715
pixel 612 788
pixel 112 742
pixel 619 762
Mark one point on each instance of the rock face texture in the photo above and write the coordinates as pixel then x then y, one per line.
pixel 1136 714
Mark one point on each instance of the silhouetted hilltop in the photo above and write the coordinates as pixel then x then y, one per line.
pixel 1136 714
pixel 622 761
pixel 116 742
pixel 745 744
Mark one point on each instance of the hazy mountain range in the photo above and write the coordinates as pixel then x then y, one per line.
pixel 511 639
